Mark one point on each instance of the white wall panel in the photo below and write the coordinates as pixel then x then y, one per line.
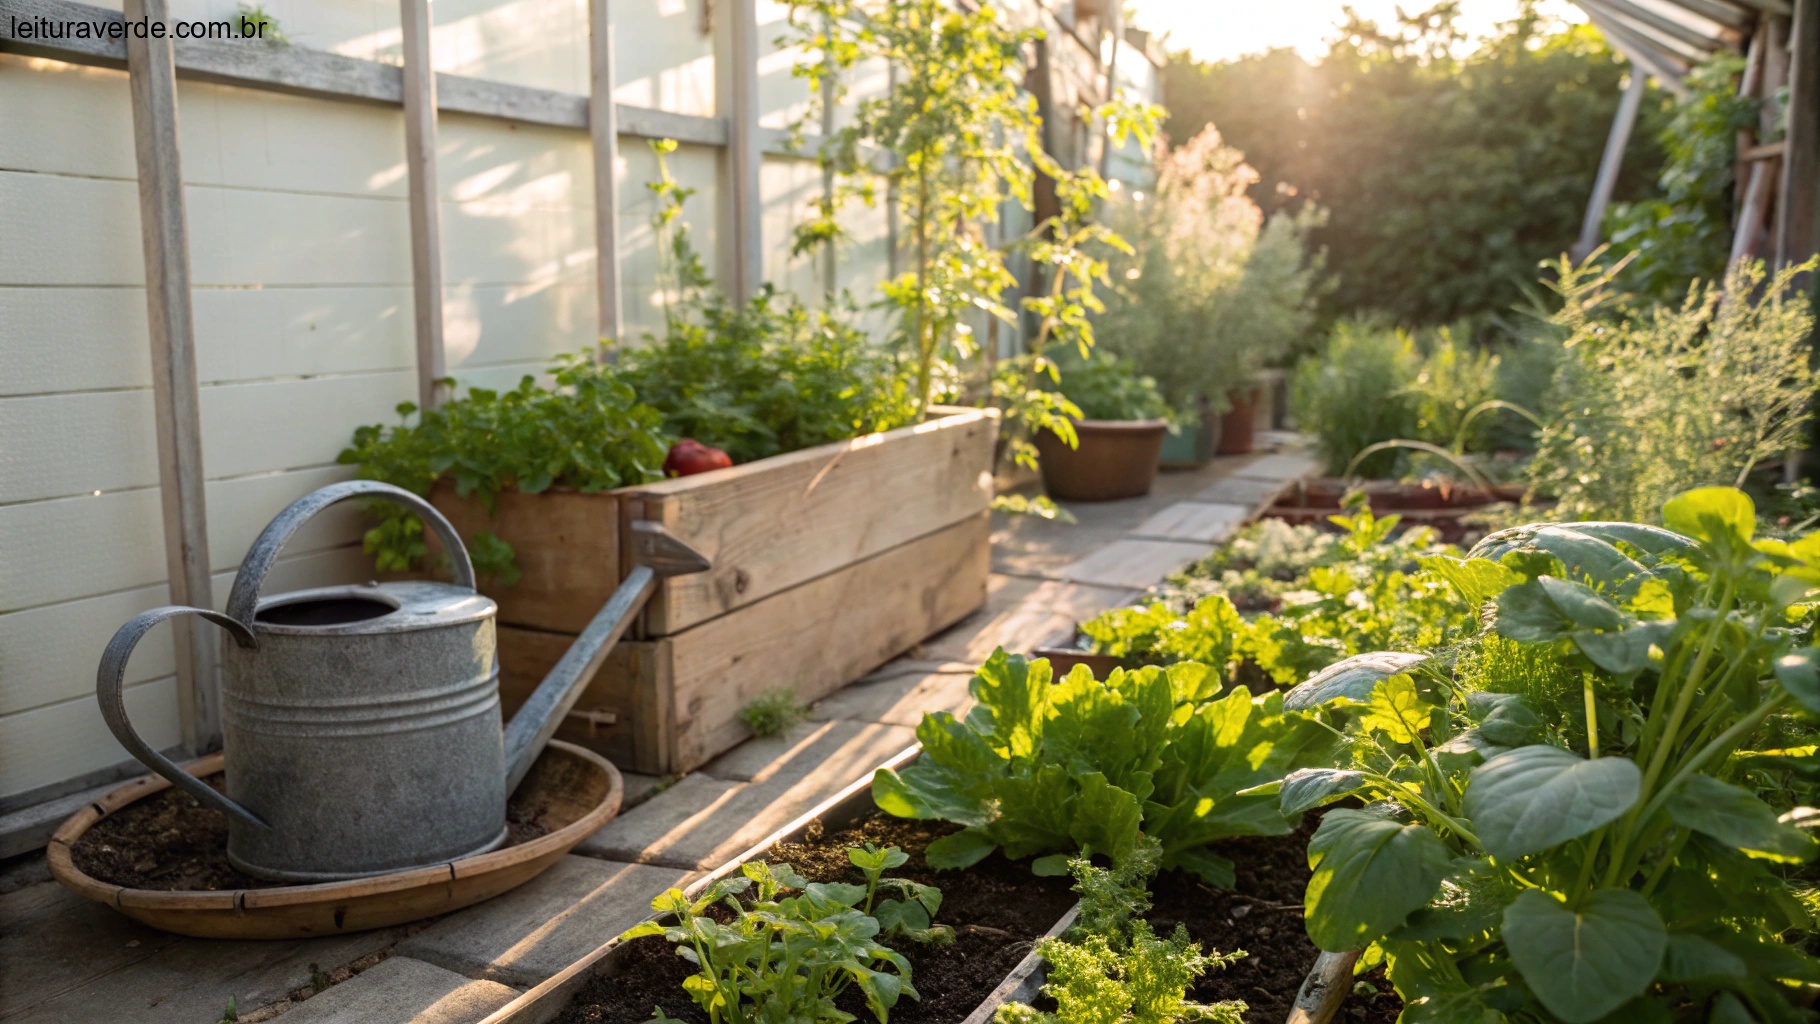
pixel 49 744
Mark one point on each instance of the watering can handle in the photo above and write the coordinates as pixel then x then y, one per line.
pixel 244 599
pixel 110 683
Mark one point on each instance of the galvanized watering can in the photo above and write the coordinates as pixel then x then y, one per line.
pixel 361 724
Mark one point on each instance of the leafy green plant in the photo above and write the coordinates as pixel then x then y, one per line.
pixel 772 712
pixel 784 957
pixel 1079 766
pixel 1686 234
pixel 1654 402
pixel 757 379
pixel 1154 634
pixel 231 1015
pixel 588 432
pixel 1112 968
pixel 1581 852
pixel 1108 388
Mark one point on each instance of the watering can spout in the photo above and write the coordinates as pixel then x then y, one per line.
pixel 657 554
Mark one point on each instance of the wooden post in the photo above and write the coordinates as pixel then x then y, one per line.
pixel 603 128
pixel 1117 18
pixel 1798 226
pixel 830 258
pixel 743 153
pixel 426 215
pixel 176 401
pixel 1615 144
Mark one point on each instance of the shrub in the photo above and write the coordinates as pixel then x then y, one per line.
pixel 1211 293
pixel 1650 403
pixel 1357 393
pixel 1105 387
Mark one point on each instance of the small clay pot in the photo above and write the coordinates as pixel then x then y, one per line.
pixel 1239 425
pixel 1116 459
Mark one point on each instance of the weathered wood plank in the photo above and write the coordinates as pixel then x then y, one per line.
pixel 426 205
pixel 567 549
pixel 744 150
pixel 1798 221
pixel 603 130
pixel 622 712
pixel 304 71
pixel 176 397
pixel 860 618
pixel 771 525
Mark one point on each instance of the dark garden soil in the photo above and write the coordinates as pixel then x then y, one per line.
pixel 169 842
pixel 998 910
pixel 1262 915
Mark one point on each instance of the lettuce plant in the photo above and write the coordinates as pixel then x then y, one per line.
pixel 1581 852
pixel 1079 767
pixel 779 958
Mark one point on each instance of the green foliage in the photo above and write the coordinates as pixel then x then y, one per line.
pixel 772 712
pixel 1211 293
pixel 1654 402
pixel 1077 767
pixel 1686 234
pixel 1106 387
pixel 1362 592
pixel 1112 968
pixel 588 432
pixel 1446 176
pixel 758 379
pixel 254 21
pixel 1255 568
pixel 967 140
pixel 1578 853
pixel 780 957
pixel 231 1015
pixel 1374 384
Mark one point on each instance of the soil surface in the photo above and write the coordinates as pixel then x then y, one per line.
pixel 998 909
pixel 170 842
pixel 1262 915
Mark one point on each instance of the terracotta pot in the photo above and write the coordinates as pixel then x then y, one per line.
pixel 1116 459
pixel 1239 424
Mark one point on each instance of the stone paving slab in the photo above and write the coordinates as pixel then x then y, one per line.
pixel 67 960
pixel 537 929
pixel 1043 610
pixel 639 788
pixel 401 989
pixel 1133 563
pixel 1194 521
pixel 898 700
pixel 1280 467
pixel 1238 490
pixel 702 821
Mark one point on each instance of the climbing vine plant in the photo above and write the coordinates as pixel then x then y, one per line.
pixel 952 141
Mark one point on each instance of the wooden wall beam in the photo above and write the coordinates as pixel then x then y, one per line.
pixel 744 256
pixel 176 397
pixel 301 71
pixel 1622 124
pixel 603 130
pixel 426 210
pixel 1798 224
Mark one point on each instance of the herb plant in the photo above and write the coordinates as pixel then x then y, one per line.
pixel 1112 968
pixel 588 432
pixel 780 958
pixel 1080 766
pixel 1558 824
pixel 1106 387
pixel 758 379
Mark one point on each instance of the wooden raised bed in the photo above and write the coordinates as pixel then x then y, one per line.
pixel 827 563
pixel 1317 1002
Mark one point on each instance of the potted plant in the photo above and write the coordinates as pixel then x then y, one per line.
pixel 1119 434
pixel 1209 295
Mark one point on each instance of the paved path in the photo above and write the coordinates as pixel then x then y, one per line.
pixel 64 960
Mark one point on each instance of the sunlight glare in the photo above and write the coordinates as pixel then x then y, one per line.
pixel 1217 30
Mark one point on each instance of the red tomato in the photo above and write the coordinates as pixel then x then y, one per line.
pixel 688 457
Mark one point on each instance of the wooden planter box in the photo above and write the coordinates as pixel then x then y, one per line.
pixel 828 562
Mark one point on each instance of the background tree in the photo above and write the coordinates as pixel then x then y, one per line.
pixel 1447 178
